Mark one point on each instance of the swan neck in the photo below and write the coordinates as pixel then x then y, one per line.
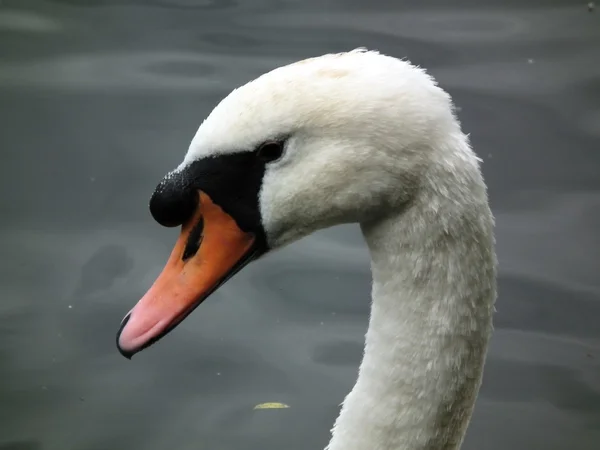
pixel 432 303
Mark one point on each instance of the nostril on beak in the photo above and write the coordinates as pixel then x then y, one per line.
pixel 173 202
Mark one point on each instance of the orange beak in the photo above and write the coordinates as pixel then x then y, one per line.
pixel 210 249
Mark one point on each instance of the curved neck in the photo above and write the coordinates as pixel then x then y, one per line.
pixel 433 292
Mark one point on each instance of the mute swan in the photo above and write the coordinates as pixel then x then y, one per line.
pixel 351 137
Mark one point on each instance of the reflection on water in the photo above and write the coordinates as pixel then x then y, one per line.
pixel 98 99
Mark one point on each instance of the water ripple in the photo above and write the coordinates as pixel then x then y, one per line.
pixel 27 22
pixel 181 71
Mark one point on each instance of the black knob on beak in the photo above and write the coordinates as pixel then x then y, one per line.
pixel 173 201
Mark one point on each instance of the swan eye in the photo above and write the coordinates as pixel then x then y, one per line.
pixel 270 151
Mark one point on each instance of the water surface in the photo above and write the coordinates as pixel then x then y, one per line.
pixel 98 99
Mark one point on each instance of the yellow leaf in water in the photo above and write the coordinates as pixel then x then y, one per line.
pixel 272 405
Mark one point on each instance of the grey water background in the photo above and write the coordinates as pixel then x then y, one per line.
pixel 98 99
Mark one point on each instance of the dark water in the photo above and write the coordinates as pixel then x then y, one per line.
pixel 98 99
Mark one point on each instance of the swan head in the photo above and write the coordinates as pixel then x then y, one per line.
pixel 329 140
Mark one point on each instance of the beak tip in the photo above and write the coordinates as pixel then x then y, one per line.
pixel 125 352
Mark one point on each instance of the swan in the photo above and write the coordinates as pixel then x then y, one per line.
pixel 354 137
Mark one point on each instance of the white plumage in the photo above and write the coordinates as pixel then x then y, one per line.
pixel 374 140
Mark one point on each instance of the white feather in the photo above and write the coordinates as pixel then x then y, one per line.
pixel 374 140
